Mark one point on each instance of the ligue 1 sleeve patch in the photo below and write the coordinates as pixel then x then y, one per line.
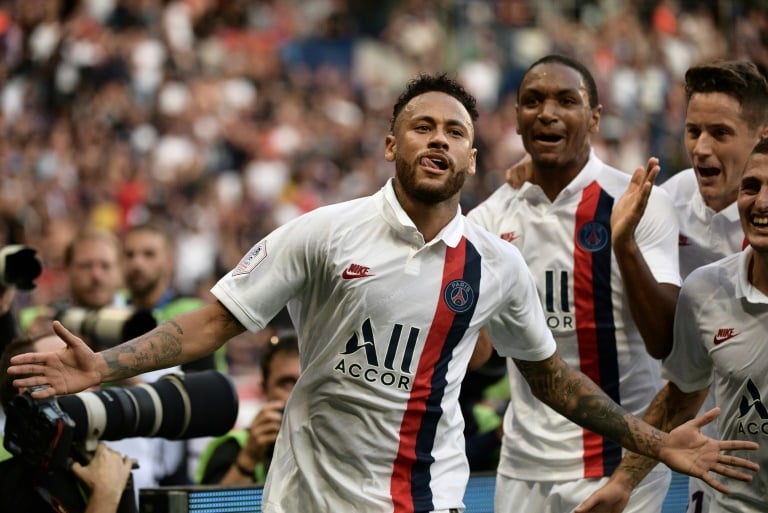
pixel 253 258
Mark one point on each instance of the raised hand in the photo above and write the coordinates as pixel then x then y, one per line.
pixel 631 206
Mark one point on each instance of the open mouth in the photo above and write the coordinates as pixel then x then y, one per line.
pixel 707 172
pixel 434 162
pixel 549 138
pixel 760 221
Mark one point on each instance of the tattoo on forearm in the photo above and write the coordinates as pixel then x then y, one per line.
pixel 578 398
pixel 159 348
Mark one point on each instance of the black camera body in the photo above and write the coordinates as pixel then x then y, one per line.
pixel 19 266
pixel 50 433
pixel 39 431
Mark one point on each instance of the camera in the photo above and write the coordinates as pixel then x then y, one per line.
pixel 19 266
pixel 48 432
pixel 106 327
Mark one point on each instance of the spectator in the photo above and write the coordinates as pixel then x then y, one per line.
pixel 243 455
pixel 24 487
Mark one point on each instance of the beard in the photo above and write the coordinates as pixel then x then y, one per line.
pixel 426 193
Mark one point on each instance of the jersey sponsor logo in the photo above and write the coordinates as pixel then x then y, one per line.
pixel 751 401
pixel 593 236
pixel 510 236
pixel 253 258
pixel 724 334
pixel 356 271
pixel 557 303
pixel 683 240
pixel 395 369
pixel 459 296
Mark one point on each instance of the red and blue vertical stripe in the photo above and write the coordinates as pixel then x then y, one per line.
pixel 595 325
pixel 411 476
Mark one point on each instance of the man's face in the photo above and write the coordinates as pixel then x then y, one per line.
pixel 554 118
pixel 94 273
pixel 148 262
pixel 432 147
pixel 283 373
pixel 718 141
pixel 753 202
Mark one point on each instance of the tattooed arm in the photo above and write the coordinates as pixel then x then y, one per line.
pixel 75 368
pixel 670 408
pixel 685 449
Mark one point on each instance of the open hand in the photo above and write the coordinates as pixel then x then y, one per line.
pixel 66 371
pixel 689 451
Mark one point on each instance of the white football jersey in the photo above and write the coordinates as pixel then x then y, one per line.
pixel 386 324
pixel 721 324
pixel 567 245
pixel 705 235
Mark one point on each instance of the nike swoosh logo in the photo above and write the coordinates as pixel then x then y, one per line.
pixel 351 276
pixel 720 339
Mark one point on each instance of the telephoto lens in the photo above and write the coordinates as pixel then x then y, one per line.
pixel 176 406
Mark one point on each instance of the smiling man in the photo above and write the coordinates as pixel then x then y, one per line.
pixel 721 330
pixel 608 280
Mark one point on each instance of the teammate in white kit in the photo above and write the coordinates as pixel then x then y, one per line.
pixel 721 325
pixel 605 282
pixel 726 115
pixel 387 294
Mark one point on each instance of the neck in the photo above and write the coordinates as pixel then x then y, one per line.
pixel 553 178
pixel 149 299
pixel 758 271
pixel 429 218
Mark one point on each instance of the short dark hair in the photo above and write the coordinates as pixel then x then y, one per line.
pixel 287 343
pixel 586 75
pixel 441 83
pixel 741 80
pixel 761 147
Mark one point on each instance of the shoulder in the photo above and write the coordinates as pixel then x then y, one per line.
pixel 488 211
pixel 685 180
pixel 492 247
pixel 718 276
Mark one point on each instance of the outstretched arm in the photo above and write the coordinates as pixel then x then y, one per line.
pixel 77 367
pixel 652 304
pixel 686 449
pixel 670 408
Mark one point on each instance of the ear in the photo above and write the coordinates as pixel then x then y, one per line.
pixel 594 122
pixel 472 168
pixel 763 131
pixel 390 148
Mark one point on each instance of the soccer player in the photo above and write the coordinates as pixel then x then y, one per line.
pixel 721 326
pixel 387 294
pixel 608 280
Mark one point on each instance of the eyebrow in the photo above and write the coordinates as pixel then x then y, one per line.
pixel 431 119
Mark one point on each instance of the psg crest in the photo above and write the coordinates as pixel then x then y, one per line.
pixel 593 237
pixel 459 296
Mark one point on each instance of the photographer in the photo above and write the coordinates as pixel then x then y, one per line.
pixel 94 265
pixel 242 456
pixel 24 487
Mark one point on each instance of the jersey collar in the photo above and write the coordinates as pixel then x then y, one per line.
pixel 743 287
pixel 451 234
pixel 588 174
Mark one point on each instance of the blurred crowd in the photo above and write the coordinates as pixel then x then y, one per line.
pixel 225 119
